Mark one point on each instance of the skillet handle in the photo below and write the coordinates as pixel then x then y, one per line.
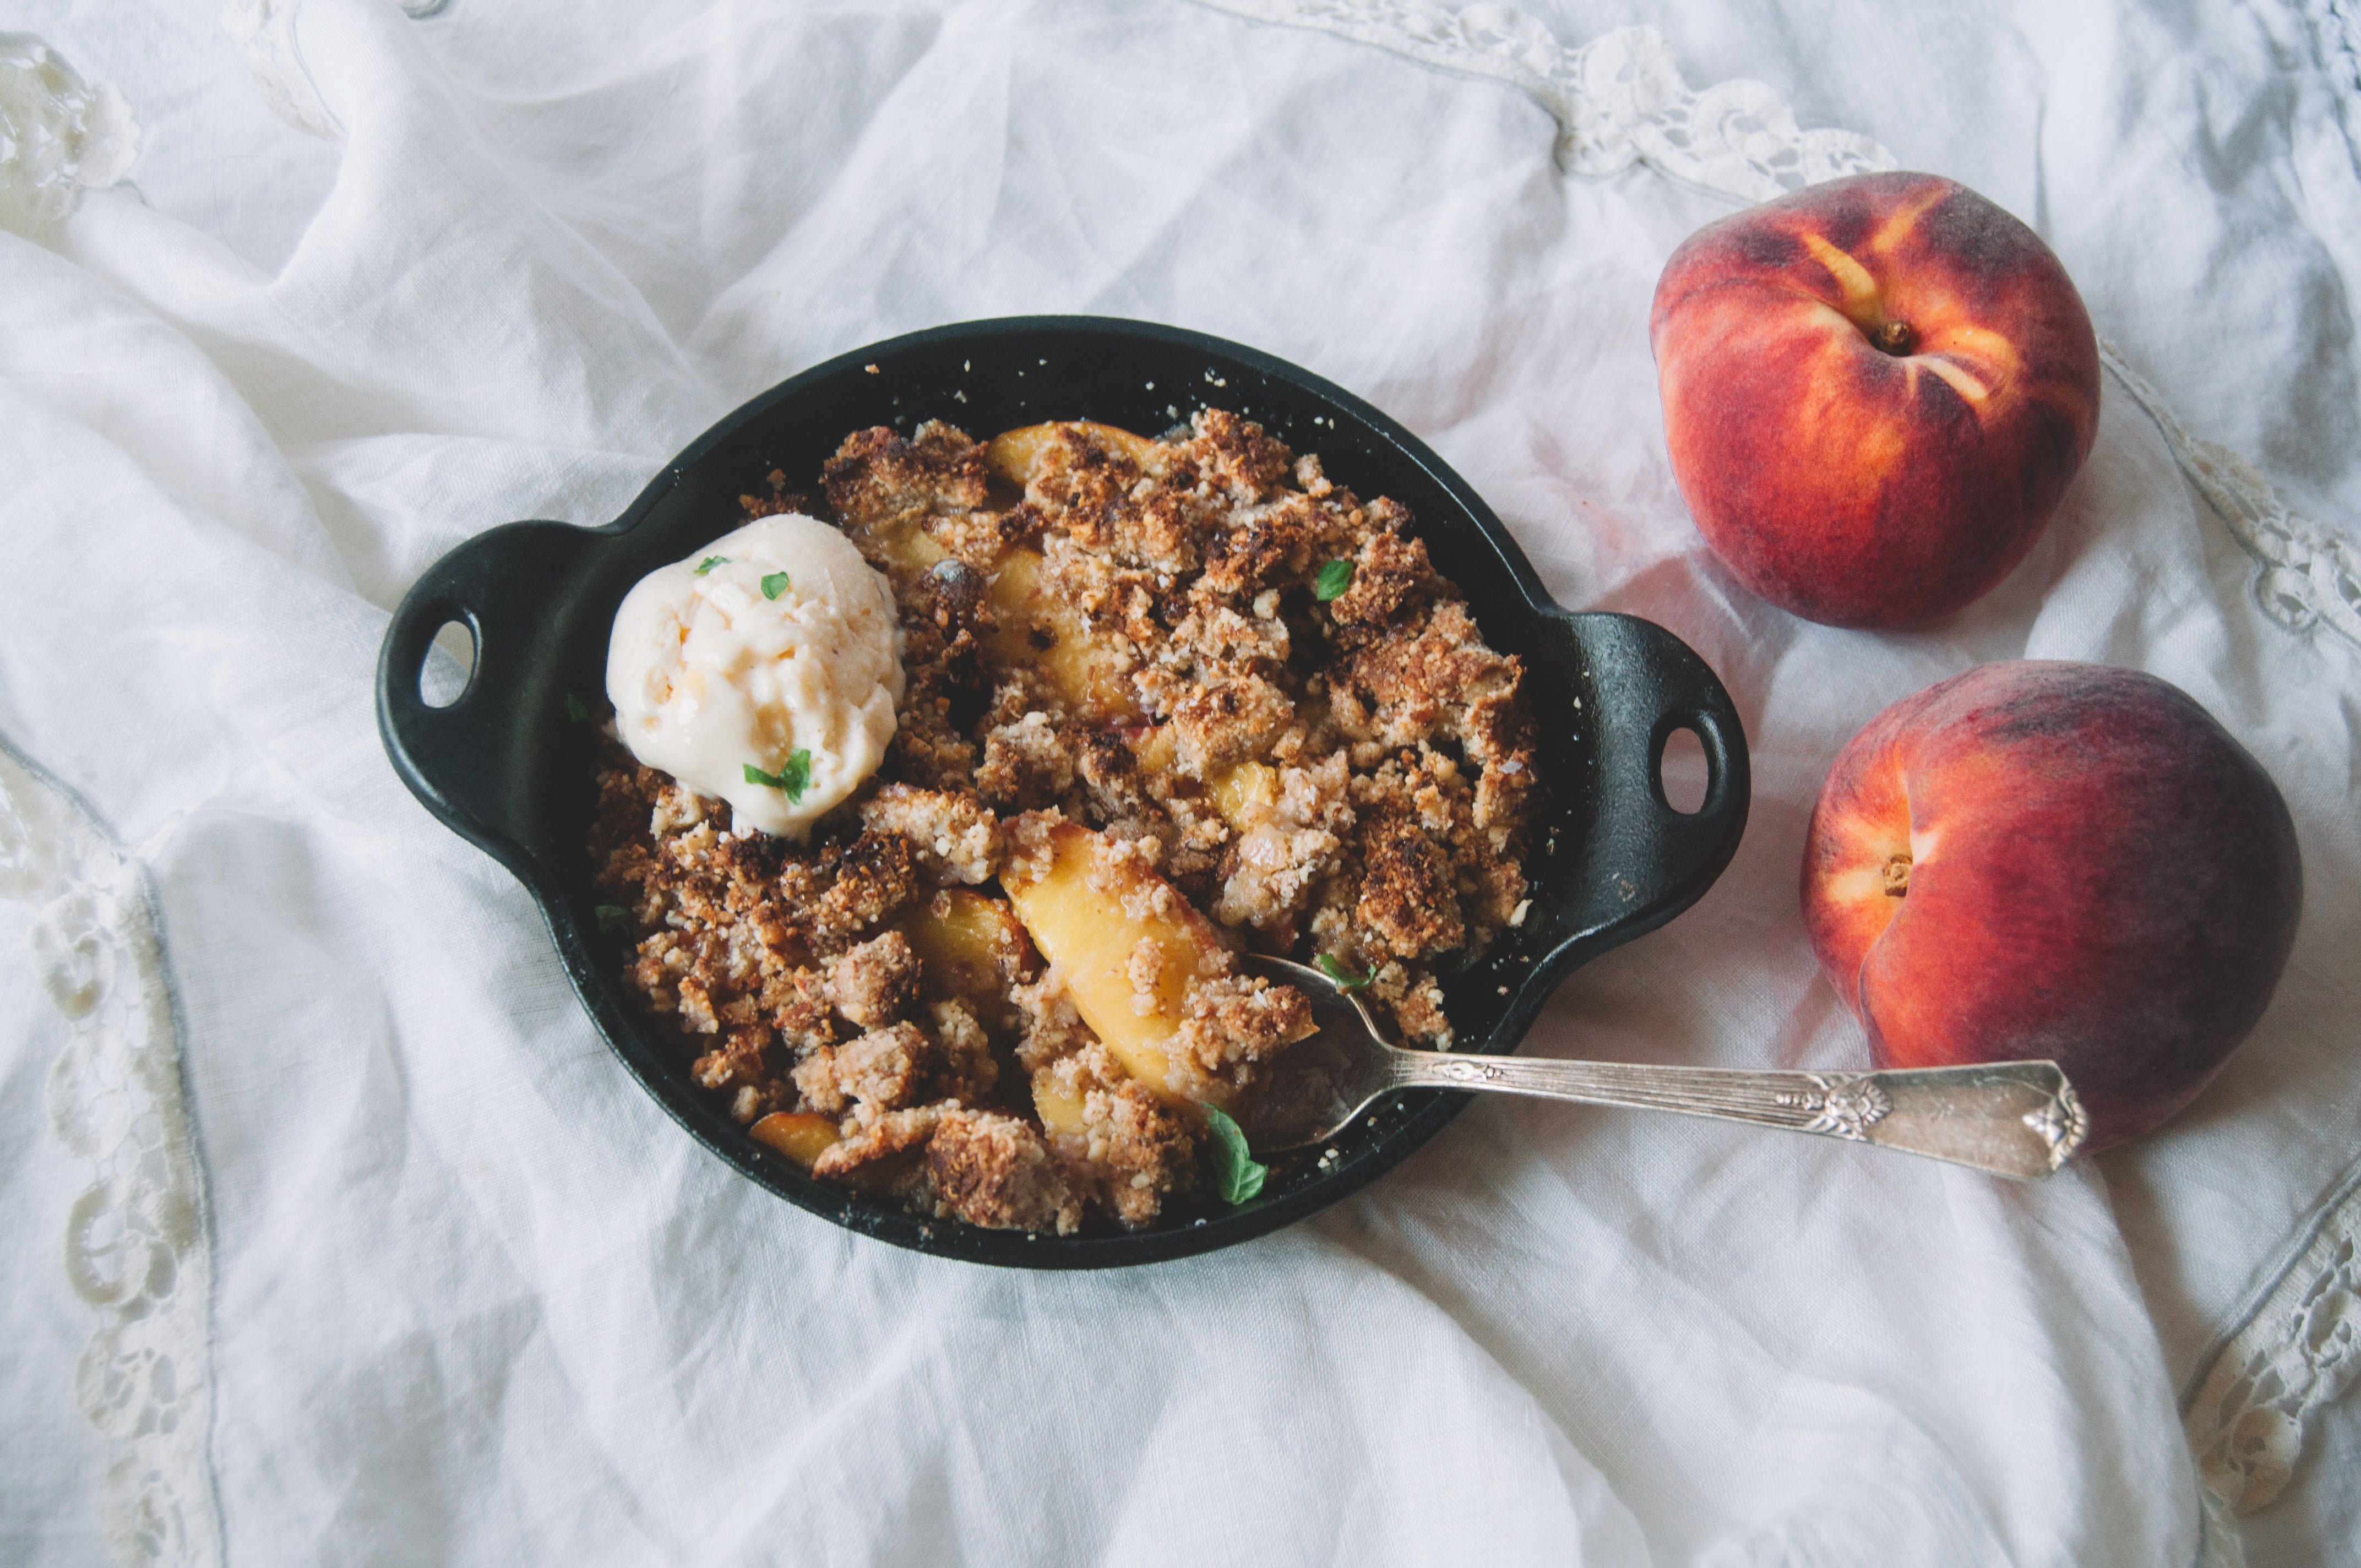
pixel 470 763
pixel 1644 862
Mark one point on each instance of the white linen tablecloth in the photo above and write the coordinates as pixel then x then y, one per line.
pixel 372 1253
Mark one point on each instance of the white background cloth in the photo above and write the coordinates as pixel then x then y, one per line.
pixel 465 1295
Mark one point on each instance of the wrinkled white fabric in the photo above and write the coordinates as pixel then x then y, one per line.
pixel 475 1299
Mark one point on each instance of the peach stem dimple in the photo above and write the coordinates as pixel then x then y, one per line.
pixel 1895 337
pixel 1897 876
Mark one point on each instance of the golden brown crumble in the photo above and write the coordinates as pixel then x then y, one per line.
pixel 1133 642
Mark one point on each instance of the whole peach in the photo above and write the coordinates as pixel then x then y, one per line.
pixel 1875 391
pixel 2054 860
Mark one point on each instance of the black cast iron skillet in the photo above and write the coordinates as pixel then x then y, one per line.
pixel 505 767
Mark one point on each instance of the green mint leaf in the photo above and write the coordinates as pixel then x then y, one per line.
pixel 576 710
pixel 790 780
pixel 774 585
pixel 1237 1177
pixel 708 564
pixel 614 919
pixel 1334 579
pixel 1345 979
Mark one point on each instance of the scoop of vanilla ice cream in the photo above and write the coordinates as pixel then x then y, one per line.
pixel 709 675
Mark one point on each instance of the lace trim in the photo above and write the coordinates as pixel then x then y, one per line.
pixel 265 32
pixel 1618 100
pixel 2219 1544
pixel 58 136
pixel 2337 28
pixel 2309 575
pixel 136 1248
pixel 2296 1353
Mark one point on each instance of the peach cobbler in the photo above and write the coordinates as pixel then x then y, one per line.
pixel 1160 703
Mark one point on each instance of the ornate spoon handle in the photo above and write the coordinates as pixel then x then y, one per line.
pixel 2017 1118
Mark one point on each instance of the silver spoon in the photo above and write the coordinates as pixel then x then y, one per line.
pixel 2018 1119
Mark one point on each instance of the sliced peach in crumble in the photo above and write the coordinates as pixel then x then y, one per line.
pixel 1059 1105
pixel 1245 794
pixel 1039 628
pixel 970 947
pixel 801 1136
pixel 1146 971
pixel 970 944
pixel 1128 945
pixel 1014 454
pixel 901 541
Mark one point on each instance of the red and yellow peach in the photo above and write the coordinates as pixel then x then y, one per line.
pixel 1875 391
pixel 2053 860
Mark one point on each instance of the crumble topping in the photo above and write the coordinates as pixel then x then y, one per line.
pixel 1247 681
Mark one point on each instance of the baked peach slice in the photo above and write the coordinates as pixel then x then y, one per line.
pixel 901 541
pixel 1129 946
pixel 1014 454
pixel 1245 793
pixel 801 1136
pixel 1062 1112
pixel 967 944
pixel 970 947
pixel 1037 627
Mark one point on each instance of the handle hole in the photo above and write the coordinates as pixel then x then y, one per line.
pixel 1682 772
pixel 450 665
